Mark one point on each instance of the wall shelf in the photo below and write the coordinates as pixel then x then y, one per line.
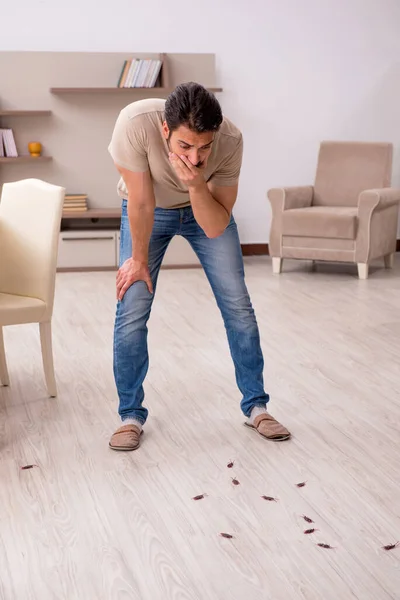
pixel 117 90
pixel 25 113
pixel 24 159
pixel 93 213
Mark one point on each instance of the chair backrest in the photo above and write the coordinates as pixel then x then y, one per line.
pixel 30 218
pixel 345 169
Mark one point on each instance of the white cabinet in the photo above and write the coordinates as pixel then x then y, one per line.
pixel 99 248
pixel 87 249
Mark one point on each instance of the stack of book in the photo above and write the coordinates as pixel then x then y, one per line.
pixel 7 143
pixel 139 73
pixel 75 203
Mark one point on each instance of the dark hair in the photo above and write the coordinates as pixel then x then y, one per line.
pixel 190 104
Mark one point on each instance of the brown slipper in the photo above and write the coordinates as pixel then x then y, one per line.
pixel 126 438
pixel 269 428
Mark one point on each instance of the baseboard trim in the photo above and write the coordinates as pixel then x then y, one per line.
pixel 262 249
pixel 254 249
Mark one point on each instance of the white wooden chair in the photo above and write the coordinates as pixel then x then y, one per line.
pixel 30 217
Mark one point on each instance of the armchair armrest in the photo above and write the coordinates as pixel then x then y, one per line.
pixel 371 205
pixel 378 199
pixel 290 197
pixel 282 199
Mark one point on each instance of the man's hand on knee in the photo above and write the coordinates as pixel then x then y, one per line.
pixel 130 272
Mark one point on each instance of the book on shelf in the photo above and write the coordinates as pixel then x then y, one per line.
pixel 68 209
pixel 75 197
pixel 75 202
pixel 8 147
pixel 139 73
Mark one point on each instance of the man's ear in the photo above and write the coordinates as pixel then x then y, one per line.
pixel 165 130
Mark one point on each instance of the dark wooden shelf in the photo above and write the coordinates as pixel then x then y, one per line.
pixel 25 113
pixel 25 159
pixel 113 90
pixel 93 213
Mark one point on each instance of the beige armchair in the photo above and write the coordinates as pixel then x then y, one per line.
pixel 30 216
pixel 349 215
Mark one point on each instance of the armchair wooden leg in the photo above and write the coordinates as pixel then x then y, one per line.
pixel 47 356
pixel 277 265
pixel 4 379
pixel 362 270
pixel 389 261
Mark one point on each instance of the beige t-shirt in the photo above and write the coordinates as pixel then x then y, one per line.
pixel 138 144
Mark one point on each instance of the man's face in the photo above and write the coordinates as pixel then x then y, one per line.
pixel 195 146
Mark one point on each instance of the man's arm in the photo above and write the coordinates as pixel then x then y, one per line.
pixel 128 150
pixel 141 205
pixel 212 206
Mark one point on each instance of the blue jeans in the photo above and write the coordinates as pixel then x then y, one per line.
pixel 222 261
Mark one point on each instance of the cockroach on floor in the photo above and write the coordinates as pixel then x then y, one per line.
pixel 307 519
pixel 301 484
pixel 199 497
pixel 390 546
pixel 226 535
pixel 269 498
pixel 28 467
pixel 230 464
pixel 308 531
pixel 235 481
pixel 325 546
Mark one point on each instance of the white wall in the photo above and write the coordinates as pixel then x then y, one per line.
pixel 293 72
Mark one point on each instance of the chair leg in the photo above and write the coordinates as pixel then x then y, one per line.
pixel 4 379
pixel 47 356
pixel 389 261
pixel 362 270
pixel 277 265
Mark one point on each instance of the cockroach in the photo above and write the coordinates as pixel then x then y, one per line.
pixel 325 546
pixel 235 481
pixel 307 519
pixel 390 546
pixel 269 498
pixel 302 484
pixel 28 467
pixel 230 464
pixel 199 497
pixel 307 531
pixel 226 535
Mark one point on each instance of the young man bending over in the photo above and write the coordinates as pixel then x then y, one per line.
pixel 179 161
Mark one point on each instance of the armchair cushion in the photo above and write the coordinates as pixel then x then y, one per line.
pixel 321 222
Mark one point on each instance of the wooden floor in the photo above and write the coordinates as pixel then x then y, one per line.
pixel 92 524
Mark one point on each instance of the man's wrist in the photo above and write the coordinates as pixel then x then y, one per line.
pixel 140 260
pixel 198 187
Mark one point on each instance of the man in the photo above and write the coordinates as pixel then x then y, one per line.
pixel 179 161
